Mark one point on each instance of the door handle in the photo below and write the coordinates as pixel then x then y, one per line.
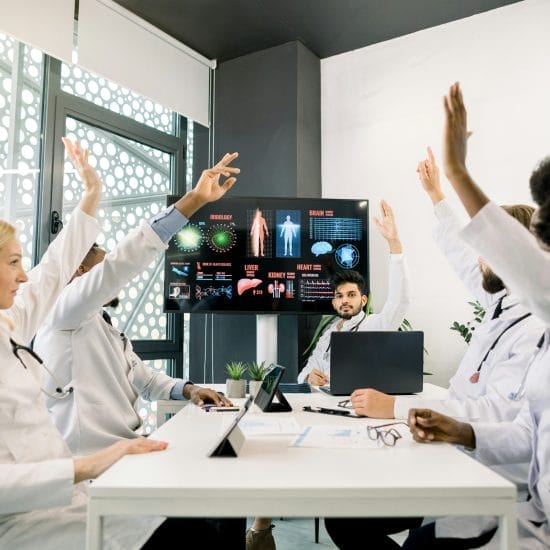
pixel 57 224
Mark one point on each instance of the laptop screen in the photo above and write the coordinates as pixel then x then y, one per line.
pixel 388 361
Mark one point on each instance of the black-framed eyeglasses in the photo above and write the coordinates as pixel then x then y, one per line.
pixel 385 437
pixel 345 404
pixel 24 354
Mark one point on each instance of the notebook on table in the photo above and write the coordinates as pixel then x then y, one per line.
pixel 388 361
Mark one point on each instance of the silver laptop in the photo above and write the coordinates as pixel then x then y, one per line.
pixel 388 361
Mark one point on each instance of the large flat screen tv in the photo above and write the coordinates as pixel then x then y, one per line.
pixel 265 255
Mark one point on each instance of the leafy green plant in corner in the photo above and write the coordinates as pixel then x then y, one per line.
pixel 257 370
pixel 235 369
pixel 466 330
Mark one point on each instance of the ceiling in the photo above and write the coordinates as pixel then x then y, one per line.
pixel 226 29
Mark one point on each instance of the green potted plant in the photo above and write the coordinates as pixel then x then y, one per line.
pixel 257 372
pixel 235 385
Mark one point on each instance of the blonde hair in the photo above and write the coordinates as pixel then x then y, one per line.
pixel 522 213
pixel 7 232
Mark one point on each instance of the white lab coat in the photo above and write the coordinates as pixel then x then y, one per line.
pixel 516 256
pixel 389 318
pixel 487 400
pixel 40 507
pixel 87 353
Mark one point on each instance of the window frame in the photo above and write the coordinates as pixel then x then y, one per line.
pixel 57 105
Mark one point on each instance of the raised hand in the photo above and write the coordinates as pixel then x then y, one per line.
pixel 427 425
pixel 455 137
pixel 208 188
pixel 428 174
pixel 455 133
pixel 93 186
pixel 388 228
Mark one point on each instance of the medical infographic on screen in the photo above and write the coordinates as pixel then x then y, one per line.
pixel 268 255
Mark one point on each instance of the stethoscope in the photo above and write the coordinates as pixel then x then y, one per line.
pixel 520 390
pixel 60 392
pixel 354 328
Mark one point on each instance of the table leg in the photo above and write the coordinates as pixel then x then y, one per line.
pixel 508 528
pixel 94 528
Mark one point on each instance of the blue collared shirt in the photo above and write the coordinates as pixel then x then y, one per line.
pixel 168 223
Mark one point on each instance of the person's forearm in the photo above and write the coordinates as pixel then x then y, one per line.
pixel 471 195
pixel 89 201
pixel 466 437
pixel 189 204
pixel 89 467
pixel 436 195
pixel 395 246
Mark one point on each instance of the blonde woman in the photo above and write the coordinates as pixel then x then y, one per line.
pixel 43 499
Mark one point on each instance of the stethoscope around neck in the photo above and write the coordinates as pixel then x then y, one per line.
pixel 354 328
pixel 60 392
pixel 519 392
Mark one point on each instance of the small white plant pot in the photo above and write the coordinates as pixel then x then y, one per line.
pixel 235 389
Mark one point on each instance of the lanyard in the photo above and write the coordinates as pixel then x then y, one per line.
pixel 475 377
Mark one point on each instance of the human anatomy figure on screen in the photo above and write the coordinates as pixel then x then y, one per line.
pixel 258 232
pixel 288 231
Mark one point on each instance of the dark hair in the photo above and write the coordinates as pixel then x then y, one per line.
pixel 91 253
pixel 341 277
pixel 540 182
pixel 541 226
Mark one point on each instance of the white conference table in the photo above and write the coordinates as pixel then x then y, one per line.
pixel 271 479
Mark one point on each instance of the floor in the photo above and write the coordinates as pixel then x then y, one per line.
pixel 299 534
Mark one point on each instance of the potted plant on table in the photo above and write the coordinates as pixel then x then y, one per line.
pixel 235 385
pixel 257 372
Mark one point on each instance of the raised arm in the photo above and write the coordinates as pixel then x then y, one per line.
pixel 455 138
pixel 428 173
pixel 399 293
pixel 388 228
pixel 446 234
pixel 92 182
pixel 86 294
pixel 63 256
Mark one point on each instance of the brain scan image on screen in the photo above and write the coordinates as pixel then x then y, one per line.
pixel 221 237
pixel 189 239
pixel 347 256
pixel 321 247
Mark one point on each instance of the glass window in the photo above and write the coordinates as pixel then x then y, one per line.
pixel 21 69
pixel 81 83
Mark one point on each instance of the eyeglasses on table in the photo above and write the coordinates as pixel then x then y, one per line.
pixel 385 437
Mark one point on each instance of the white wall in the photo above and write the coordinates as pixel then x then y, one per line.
pixel 382 105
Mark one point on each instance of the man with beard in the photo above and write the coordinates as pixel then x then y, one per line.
pixel 491 369
pixel 350 299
